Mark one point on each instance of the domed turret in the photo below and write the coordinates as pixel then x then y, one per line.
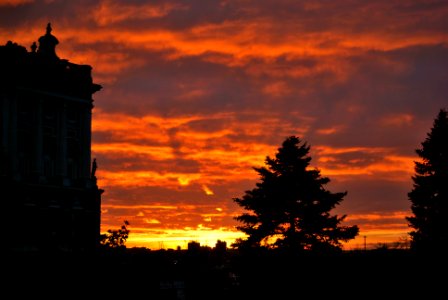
pixel 47 44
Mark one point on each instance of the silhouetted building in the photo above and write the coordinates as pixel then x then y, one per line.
pixel 194 246
pixel 49 193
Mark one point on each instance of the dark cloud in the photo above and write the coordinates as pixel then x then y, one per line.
pixel 39 12
pixel 354 159
pixel 372 195
pixel 139 162
pixel 384 86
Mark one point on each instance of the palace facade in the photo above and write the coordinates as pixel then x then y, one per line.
pixel 50 199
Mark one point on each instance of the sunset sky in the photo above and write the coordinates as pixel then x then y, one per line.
pixel 198 92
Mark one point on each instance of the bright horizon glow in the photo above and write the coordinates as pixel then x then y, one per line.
pixel 175 238
pixel 181 238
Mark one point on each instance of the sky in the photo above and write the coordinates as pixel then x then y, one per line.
pixel 197 93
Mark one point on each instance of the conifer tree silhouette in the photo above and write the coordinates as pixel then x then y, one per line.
pixel 429 195
pixel 290 208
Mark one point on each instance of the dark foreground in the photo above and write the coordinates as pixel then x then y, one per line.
pixel 170 274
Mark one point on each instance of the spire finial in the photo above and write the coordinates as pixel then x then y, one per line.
pixel 48 28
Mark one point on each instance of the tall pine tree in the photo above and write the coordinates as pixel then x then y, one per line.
pixel 290 208
pixel 429 195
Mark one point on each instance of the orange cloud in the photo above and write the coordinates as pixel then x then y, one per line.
pixel 137 206
pixel 397 120
pixel 154 152
pixel 107 64
pixel 152 221
pixel 144 178
pixel 400 215
pixel 277 89
pixel 240 39
pixel 207 190
pixel 186 179
pixel 109 12
pixel 225 159
pixel 387 165
pixel 330 130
